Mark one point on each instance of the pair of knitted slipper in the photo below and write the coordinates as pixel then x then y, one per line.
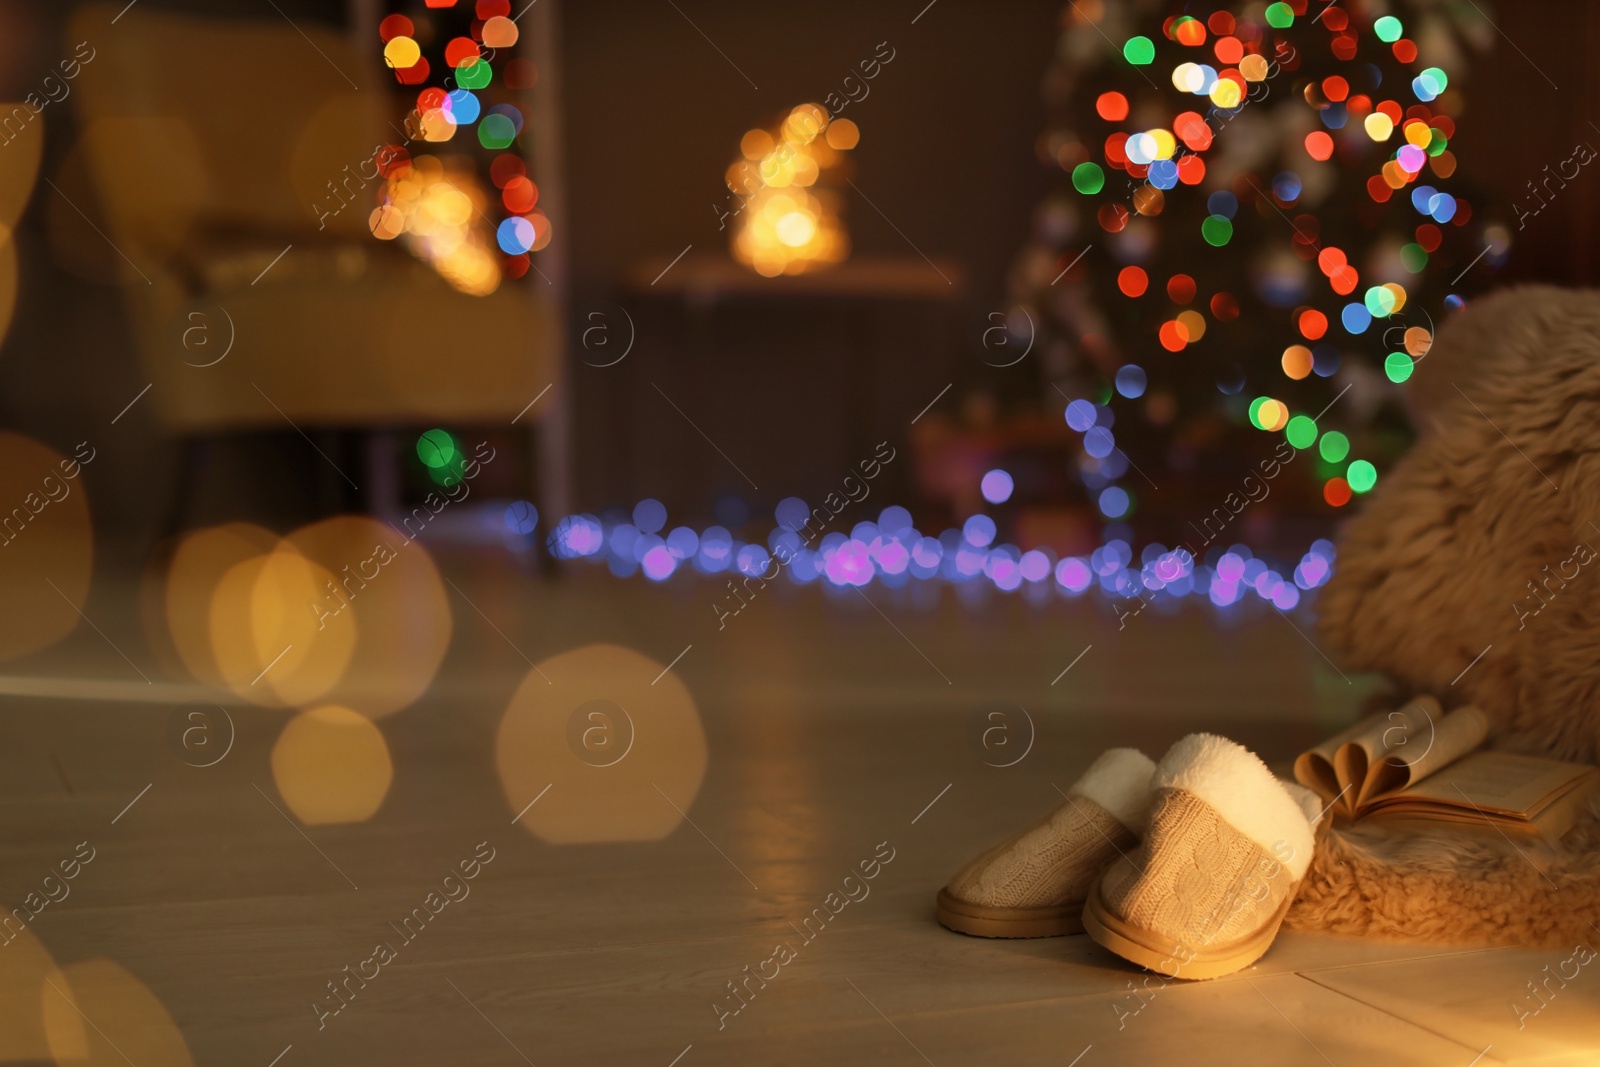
pixel 1186 867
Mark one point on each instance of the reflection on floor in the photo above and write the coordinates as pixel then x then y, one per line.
pixel 643 865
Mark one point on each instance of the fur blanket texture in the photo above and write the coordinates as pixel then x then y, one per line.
pixel 1471 573
pixel 1455 890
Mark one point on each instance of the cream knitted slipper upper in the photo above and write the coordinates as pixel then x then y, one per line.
pixel 1224 853
pixel 1033 883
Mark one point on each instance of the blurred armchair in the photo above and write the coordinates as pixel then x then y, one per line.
pixel 228 157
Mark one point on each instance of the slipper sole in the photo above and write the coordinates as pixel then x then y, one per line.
pixel 1158 954
pixel 978 920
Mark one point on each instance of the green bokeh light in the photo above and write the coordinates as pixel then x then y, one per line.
pixel 1362 476
pixel 436 449
pixel 1398 366
pixel 496 132
pixel 476 75
pixel 1088 178
pixel 1140 51
pixel 1217 230
pixel 1334 447
pixel 1301 431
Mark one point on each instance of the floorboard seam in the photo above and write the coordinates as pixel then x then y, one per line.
pixel 1401 1018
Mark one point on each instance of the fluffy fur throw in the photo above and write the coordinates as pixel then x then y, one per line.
pixel 1455 890
pixel 1477 543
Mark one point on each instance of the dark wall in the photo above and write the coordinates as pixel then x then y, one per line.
pixel 947 131
pixel 1530 101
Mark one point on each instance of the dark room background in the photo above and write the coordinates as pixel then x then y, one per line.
pixel 652 113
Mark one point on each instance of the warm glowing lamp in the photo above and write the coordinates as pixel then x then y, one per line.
pixel 785 223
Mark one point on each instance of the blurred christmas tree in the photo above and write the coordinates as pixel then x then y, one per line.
pixel 1259 224
pixel 433 196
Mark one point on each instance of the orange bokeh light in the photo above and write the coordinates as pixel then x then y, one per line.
pixel 616 739
pixel 1113 107
pixel 1312 323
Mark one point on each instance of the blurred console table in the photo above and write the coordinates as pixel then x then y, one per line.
pixel 800 376
pixel 710 277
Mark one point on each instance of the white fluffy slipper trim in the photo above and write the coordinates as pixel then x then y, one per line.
pixel 1309 802
pixel 1235 782
pixel 1121 782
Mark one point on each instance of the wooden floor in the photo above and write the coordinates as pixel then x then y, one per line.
pixel 836 731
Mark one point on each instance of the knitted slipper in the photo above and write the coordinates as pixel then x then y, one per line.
pixel 1222 858
pixel 1033 883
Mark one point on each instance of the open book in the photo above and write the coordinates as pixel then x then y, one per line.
pixel 1418 765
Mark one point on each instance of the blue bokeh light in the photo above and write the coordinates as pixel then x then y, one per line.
pixel 997 486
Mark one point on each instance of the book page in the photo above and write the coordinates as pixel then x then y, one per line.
pixel 1420 745
pixel 1367 765
pixel 1497 782
pixel 1314 770
pixel 1322 770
